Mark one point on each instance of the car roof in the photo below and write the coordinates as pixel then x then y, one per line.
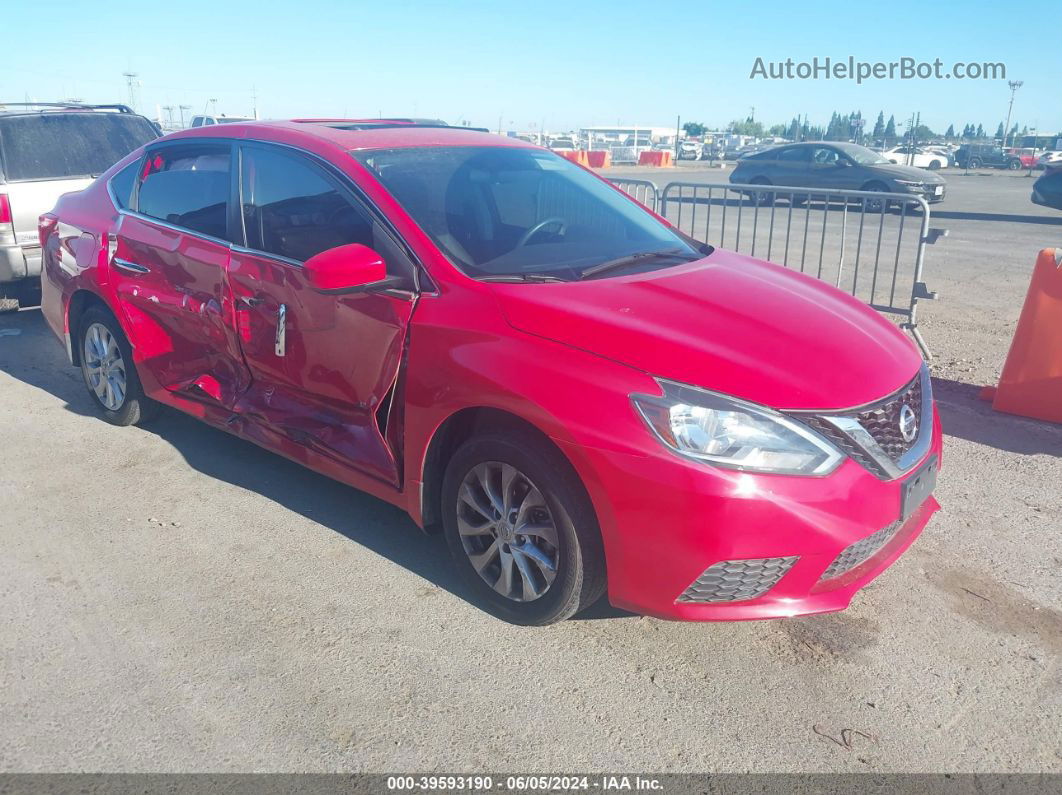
pixel 352 134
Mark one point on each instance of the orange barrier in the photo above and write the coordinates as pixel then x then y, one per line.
pixel 1031 384
pixel 655 157
pixel 576 156
pixel 599 158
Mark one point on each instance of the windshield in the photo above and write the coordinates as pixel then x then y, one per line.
pixel 68 145
pixel 862 155
pixel 497 211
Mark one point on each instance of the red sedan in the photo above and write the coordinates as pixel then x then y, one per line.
pixel 501 343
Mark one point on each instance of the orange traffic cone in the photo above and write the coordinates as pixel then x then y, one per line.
pixel 1031 384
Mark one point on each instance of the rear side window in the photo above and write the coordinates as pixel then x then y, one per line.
pixel 797 154
pixel 292 210
pixel 68 145
pixel 122 184
pixel 188 186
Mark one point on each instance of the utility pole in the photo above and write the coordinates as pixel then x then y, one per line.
pixel 254 102
pixel 182 109
pixel 132 84
pixel 1014 86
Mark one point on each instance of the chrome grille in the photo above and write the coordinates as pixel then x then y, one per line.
pixel 883 420
pixel 860 552
pixel 737 580
pixel 872 435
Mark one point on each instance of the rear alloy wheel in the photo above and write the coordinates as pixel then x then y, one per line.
pixel 522 535
pixel 974 162
pixel 1014 165
pixel 934 165
pixel 108 370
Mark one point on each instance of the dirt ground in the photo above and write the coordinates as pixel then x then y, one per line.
pixel 174 599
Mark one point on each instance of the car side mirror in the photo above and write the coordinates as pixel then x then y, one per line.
pixel 345 269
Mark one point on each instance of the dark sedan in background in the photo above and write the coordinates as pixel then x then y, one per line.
pixel 1047 190
pixel 834 166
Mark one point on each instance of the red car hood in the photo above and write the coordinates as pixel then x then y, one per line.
pixel 729 323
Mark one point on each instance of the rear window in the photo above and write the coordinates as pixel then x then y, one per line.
pixel 68 145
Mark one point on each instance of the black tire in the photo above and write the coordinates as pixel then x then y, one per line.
pixel 763 198
pixel 1014 165
pixel 934 165
pixel 580 566
pixel 135 408
pixel 974 162
pixel 875 205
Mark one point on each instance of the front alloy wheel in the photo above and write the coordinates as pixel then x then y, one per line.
pixel 507 531
pixel 521 529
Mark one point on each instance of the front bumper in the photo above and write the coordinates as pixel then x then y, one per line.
pixel 931 196
pixel 666 521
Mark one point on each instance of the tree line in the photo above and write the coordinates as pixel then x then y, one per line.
pixel 850 127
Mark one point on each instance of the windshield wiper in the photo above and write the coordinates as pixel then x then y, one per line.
pixel 522 277
pixel 634 259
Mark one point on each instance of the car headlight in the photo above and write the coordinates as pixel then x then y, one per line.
pixel 734 434
pixel 915 186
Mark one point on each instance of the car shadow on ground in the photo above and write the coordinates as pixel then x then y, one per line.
pixel 1014 219
pixel 965 415
pixel 29 353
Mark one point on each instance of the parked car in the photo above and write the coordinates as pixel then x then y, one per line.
pixel 981 155
pixel 835 165
pixel 512 349
pixel 562 144
pixel 47 149
pixel 1029 157
pixel 206 121
pixel 690 150
pixel 1050 159
pixel 946 152
pixel 916 156
pixel 1047 190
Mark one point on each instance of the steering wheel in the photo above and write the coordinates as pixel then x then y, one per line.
pixel 534 230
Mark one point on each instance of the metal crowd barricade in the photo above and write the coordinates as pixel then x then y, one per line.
pixel 870 244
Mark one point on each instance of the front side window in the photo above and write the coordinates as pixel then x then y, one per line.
pixel 188 186
pixel 509 211
pixel 824 156
pixel 294 211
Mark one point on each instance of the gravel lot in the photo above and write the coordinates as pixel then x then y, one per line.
pixel 174 599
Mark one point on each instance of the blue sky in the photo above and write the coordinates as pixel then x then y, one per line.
pixel 529 63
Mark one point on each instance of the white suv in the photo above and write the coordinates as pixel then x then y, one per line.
pixel 47 150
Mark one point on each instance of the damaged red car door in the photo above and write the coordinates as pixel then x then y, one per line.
pixel 322 364
pixel 168 266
